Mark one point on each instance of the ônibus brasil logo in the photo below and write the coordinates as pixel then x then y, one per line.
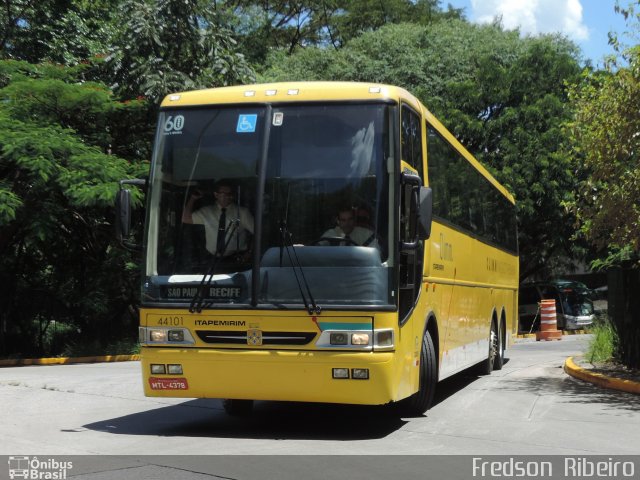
pixel 33 468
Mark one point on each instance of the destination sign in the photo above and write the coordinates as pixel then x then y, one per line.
pixel 211 292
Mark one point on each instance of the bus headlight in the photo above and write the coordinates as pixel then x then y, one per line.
pixel 176 335
pixel 360 338
pixel 158 335
pixel 166 336
pixel 380 339
pixel 338 338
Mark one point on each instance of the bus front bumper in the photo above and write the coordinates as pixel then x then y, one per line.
pixel 279 375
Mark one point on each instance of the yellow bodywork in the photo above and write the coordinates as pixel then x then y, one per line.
pixel 282 373
pixel 461 293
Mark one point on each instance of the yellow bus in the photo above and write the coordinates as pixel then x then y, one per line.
pixel 364 254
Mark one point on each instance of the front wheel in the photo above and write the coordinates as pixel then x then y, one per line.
pixel 418 403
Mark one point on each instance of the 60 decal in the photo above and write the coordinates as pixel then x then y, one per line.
pixel 174 125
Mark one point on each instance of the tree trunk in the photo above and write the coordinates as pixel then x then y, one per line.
pixel 624 310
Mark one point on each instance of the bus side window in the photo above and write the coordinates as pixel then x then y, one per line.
pixel 412 139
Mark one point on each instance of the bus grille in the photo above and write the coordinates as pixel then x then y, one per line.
pixel 239 337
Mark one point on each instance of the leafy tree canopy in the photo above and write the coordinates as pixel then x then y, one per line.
pixel 605 135
pixel 57 188
pixel 197 51
pixel 264 26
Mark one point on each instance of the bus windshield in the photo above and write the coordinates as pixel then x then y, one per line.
pixel 307 187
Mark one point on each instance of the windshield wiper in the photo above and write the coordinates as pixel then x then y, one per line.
pixel 287 240
pixel 286 243
pixel 197 302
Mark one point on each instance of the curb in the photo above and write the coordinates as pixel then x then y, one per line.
pixel 599 379
pixel 564 332
pixel 19 362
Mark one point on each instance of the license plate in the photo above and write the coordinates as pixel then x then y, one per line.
pixel 168 383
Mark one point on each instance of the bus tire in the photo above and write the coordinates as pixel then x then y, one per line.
pixel 487 366
pixel 237 408
pixel 499 360
pixel 418 403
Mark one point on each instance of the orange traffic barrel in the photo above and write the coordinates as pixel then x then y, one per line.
pixel 548 322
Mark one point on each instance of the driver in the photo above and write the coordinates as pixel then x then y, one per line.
pixel 347 230
pixel 228 226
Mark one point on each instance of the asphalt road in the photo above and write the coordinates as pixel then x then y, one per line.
pixel 530 407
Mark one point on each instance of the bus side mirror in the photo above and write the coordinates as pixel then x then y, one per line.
pixel 425 209
pixel 123 214
pixel 123 211
pixel 416 204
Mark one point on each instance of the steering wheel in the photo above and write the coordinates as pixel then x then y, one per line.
pixel 335 241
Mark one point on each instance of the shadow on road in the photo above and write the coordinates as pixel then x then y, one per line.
pixel 274 420
pixel 269 420
pixel 574 391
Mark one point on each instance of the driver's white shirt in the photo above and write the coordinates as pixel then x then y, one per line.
pixel 209 216
pixel 359 235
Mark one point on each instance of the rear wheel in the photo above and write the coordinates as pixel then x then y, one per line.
pixel 237 408
pixel 487 366
pixel 499 361
pixel 419 402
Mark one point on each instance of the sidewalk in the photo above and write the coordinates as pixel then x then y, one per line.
pixel 605 376
pixel 19 362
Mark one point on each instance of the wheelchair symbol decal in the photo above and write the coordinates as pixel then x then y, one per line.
pixel 247 123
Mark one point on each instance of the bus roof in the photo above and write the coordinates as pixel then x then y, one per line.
pixel 294 92
pixel 289 92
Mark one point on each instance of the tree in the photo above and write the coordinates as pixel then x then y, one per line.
pixel 61 31
pixel 502 95
pixel 152 60
pixel 57 251
pixel 605 140
pixel 264 26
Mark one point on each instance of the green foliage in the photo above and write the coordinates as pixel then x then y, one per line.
pixel 58 259
pixel 61 31
pixel 603 345
pixel 152 60
pixel 606 147
pixel 503 96
pixel 267 26
pixel 82 348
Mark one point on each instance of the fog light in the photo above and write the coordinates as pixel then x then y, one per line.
pixel 158 335
pixel 338 338
pixel 158 369
pixel 176 335
pixel 174 369
pixel 359 339
pixel 360 373
pixel 340 373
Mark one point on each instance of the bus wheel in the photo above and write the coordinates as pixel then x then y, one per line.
pixel 487 366
pixel 499 360
pixel 237 408
pixel 419 402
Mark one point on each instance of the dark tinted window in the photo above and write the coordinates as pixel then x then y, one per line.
pixel 412 139
pixel 464 198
